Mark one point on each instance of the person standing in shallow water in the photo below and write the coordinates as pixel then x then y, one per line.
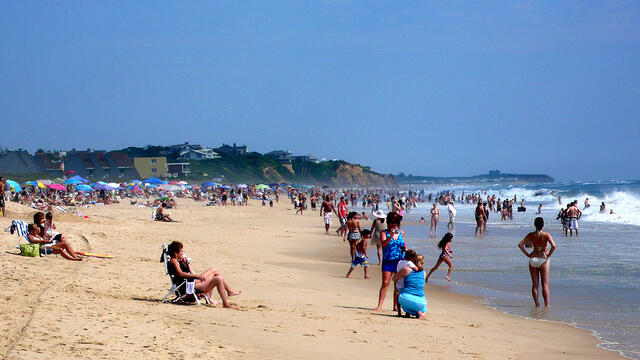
pixel 539 260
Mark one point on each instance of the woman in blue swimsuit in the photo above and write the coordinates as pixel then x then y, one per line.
pixel 393 248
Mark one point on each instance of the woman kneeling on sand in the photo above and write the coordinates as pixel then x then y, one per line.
pixel 204 282
pixel 411 298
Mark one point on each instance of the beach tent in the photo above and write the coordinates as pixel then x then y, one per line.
pixel 78 177
pixel 83 187
pixel 154 180
pixel 14 185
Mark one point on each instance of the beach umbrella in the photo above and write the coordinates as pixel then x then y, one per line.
pixel 152 186
pixel 83 187
pixel 73 181
pixel 173 182
pixel 78 177
pixel 46 182
pixel 34 183
pixel 57 187
pixel 182 182
pixel 274 184
pixel 225 187
pixel 261 186
pixel 169 187
pixel 196 187
pixel 69 172
pixel 242 186
pixel 209 184
pixel 14 185
pixel 153 180
pixel 135 181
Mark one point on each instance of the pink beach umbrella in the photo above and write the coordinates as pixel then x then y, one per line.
pixel 57 187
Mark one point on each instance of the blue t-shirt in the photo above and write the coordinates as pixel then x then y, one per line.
pixel 414 283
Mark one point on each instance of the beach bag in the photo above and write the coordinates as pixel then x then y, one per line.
pixel 31 250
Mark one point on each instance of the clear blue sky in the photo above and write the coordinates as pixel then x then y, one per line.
pixel 429 87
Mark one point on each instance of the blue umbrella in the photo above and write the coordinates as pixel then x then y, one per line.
pixel 73 181
pixel 225 187
pixel 209 184
pixel 14 185
pixel 83 187
pixel 154 180
pixel 78 177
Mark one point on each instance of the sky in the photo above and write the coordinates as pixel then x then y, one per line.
pixel 435 88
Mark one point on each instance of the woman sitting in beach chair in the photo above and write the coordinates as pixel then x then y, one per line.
pixel 59 246
pixel 180 269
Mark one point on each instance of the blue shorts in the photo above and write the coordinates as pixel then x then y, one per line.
pixel 362 261
pixel 390 265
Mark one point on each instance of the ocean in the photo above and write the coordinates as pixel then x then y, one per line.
pixel 594 279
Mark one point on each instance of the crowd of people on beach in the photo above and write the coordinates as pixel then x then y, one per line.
pixel 395 260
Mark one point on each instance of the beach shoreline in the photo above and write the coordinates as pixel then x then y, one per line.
pixel 296 301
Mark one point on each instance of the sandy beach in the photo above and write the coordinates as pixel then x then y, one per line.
pixel 296 302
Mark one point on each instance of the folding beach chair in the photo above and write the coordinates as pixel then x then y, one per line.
pixel 182 290
pixel 20 228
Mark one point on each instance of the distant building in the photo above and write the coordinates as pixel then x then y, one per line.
pixel 283 157
pixel 232 150
pixel 306 158
pixel 198 154
pixel 151 166
pixel 177 149
pixel 180 169
pixel 494 172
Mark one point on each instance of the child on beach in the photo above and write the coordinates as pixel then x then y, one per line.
pixel 361 254
pixel 409 256
pixel 445 256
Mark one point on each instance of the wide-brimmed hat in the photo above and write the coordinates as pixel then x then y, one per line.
pixel 380 214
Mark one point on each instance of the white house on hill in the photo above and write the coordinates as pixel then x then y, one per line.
pixel 198 154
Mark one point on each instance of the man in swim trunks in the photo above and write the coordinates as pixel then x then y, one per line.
pixel 343 210
pixel 325 210
pixel 573 214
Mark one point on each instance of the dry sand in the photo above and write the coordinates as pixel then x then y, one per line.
pixel 296 304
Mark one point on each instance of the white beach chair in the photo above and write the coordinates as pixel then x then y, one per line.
pixel 20 228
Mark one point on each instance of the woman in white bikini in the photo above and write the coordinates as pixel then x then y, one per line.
pixel 539 259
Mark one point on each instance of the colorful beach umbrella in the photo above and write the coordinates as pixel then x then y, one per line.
pixel 34 183
pixel 209 184
pixel 57 187
pixel 261 186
